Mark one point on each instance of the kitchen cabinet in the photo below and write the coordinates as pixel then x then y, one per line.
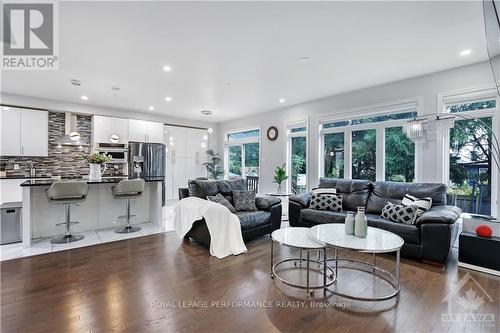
pixel 103 127
pixel 24 132
pixel 175 140
pixel 145 131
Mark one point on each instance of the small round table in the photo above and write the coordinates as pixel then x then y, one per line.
pixel 377 241
pixel 300 238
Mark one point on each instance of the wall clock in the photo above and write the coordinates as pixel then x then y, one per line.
pixel 272 133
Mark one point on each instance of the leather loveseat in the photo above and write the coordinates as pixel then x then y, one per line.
pixel 430 238
pixel 253 223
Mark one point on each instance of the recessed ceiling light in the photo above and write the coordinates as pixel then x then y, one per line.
pixel 303 59
pixel 228 84
pixel 206 112
pixel 167 68
pixel 151 108
pixel 168 99
pixel 282 100
pixel 465 52
pixel 85 98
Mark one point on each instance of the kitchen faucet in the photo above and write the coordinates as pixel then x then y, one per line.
pixel 32 169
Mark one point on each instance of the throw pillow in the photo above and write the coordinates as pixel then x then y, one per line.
pixel 244 200
pixel 220 199
pixel 325 190
pixel 423 204
pixel 399 213
pixel 323 201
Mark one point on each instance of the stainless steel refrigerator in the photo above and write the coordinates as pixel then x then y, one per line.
pixel 147 160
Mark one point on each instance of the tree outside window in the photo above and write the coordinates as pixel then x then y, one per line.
pixel 299 164
pixel 364 146
pixel 334 155
pixel 399 156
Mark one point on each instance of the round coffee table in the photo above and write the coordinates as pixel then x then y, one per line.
pixel 377 241
pixel 299 238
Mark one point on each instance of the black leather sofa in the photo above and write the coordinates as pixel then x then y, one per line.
pixel 253 223
pixel 429 239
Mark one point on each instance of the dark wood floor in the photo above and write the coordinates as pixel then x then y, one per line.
pixel 139 285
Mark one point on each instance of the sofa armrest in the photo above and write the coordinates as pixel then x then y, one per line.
pixel 266 202
pixel 183 193
pixel 302 199
pixel 440 214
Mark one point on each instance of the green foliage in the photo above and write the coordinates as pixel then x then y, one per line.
pixel 96 158
pixel 399 156
pixel 299 163
pixel 213 165
pixel 234 160
pixel 280 174
pixel 363 154
pixel 334 155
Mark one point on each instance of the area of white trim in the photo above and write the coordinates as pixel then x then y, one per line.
pixel 479 268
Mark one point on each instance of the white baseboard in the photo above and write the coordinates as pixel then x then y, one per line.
pixel 479 268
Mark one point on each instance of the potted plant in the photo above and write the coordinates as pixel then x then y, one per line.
pixel 280 176
pixel 213 165
pixel 95 161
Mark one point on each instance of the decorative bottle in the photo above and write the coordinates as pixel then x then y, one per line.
pixel 349 223
pixel 360 223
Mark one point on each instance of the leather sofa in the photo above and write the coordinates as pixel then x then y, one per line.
pixel 253 223
pixel 429 239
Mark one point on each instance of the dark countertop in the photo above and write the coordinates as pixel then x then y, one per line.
pixel 25 177
pixel 45 182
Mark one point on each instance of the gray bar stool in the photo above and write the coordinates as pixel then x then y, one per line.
pixel 127 190
pixel 67 193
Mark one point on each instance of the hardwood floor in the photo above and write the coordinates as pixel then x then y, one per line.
pixel 145 285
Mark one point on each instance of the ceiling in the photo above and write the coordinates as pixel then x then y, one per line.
pixel 240 58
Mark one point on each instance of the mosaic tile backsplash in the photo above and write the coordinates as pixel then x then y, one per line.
pixel 65 161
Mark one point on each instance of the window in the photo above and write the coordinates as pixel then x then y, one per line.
pixel 297 157
pixel 242 151
pixel 474 106
pixel 374 119
pixel 471 163
pixel 334 155
pixel 364 146
pixel 399 156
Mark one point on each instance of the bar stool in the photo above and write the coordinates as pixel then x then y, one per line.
pixel 127 190
pixel 67 193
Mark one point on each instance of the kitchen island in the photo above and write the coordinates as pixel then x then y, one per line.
pixel 99 211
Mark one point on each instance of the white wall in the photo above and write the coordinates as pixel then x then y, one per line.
pixel 425 87
pixel 55 105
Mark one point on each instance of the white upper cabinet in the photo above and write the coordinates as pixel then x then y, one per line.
pixel 34 133
pixel 104 127
pixel 145 131
pixel 155 132
pixel 197 142
pixel 175 140
pixel 10 126
pixel 24 132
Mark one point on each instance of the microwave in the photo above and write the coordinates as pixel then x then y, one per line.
pixel 119 152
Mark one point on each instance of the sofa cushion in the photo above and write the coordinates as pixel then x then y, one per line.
pixel 266 202
pixel 355 193
pixel 255 219
pixel 409 232
pixel 244 200
pixel 322 216
pixel 202 188
pixel 394 193
pixel 324 201
pixel 220 199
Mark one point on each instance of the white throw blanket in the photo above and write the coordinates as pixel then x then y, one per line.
pixel 223 226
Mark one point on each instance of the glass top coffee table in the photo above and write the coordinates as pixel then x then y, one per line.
pixel 300 238
pixel 377 241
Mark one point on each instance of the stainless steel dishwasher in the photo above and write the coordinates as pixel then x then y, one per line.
pixel 10 222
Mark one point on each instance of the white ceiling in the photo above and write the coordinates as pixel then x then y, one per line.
pixel 253 46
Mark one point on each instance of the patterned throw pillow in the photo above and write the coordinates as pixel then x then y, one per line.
pixel 244 200
pixel 323 201
pixel 422 204
pixel 399 213
pixel 220 199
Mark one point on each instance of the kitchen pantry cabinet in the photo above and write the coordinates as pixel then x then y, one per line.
pixel 103 127
pixel 186 153
pixel 145 131
pixel 24 132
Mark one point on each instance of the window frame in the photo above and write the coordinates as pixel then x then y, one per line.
pixel 241 143
pixel 407 105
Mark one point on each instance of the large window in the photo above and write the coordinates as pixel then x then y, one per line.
pixel 354 148
pixel 297 157
pixel 471 164
pixel 242 154
pixel 333 151
pixel 399 156
pixel 364 148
